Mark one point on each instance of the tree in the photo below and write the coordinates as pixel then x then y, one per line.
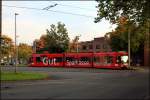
pixel 39 44
pixel 73 44
pixel 137 10
pixel 57 39
pixel 118 39
pixel 7 48
pixel 24 53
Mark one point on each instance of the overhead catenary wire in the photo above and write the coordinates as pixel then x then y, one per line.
pixel 73 6
pixel 51 6
pixel 56 11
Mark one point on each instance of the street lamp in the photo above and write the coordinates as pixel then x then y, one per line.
pixel 77 43
pixel 16 51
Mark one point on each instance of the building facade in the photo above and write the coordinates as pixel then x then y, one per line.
pixel 97 45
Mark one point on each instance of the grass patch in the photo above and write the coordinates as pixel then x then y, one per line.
pixel 11 76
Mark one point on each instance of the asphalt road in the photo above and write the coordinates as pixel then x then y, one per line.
pixel 79 83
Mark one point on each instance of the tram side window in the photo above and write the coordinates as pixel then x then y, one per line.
pixel 97 60
pixel 103 60
pixel 106 60
pixel 109 59
pixel 122 59
pixel 85 60
pixel 119 59
pixel 58 59
pixel 71 59
pixel 38 59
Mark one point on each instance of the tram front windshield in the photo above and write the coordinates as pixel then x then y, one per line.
pixel 122 59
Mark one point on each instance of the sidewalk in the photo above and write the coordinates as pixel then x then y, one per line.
pixel 141 68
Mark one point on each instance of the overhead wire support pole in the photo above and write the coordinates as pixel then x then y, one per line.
pixel 93 52
pixel 77 43
pixel 16 51
pixel 129 50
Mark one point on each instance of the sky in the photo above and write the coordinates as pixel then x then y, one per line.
pixel 31 24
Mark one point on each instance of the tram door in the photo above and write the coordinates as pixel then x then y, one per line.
pixel 102 60
pixel 98 60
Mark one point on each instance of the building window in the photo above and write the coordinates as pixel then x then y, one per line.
pixel 84 47
pixel 97 46
pixel 104 46
pixel 90 47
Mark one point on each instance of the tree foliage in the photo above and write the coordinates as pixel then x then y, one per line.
pixel 73 44
pixel 7 47
pixel 118 38
pixel 138 16
pixel 39 44
pixel 56 39
pixel 136 10
pixel 8 50
pixel 24 52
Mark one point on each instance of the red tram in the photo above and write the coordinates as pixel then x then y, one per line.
pixel 113 60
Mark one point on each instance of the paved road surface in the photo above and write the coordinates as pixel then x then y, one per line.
pixel 81 83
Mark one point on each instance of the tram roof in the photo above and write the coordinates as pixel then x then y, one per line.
pixel 83 53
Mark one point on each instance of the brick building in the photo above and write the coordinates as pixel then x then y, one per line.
pixel 97 45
